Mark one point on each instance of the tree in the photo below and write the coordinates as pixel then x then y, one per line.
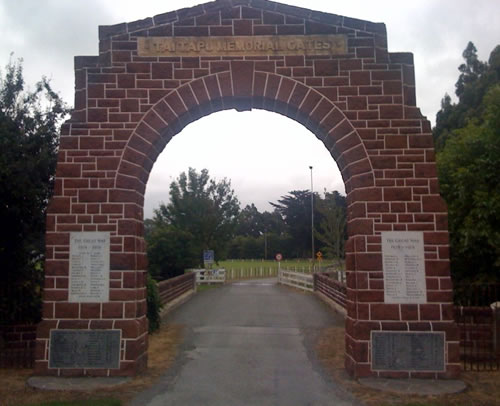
pixel 29 128
pixel 170 251
pixel 295 209
pixel 201 215
pixel 475 78
pixel 332 229
pixel 467 136
pixel 468 166
pixel 250 222
pixel 470 71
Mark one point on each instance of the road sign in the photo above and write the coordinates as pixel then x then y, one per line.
pixel 279 257
pixel 208 257
pixel 319 255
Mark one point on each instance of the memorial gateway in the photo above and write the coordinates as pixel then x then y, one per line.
pixel 333 74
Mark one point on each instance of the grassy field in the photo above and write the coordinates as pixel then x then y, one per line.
pixel 255 268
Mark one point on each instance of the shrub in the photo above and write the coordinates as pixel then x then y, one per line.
pixel 154 304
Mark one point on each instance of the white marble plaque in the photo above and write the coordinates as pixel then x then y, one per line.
pixel 89 267
pixel 404 267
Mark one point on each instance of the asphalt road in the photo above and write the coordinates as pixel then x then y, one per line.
pixel 249 343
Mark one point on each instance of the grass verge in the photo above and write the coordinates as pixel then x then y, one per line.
pixel 483 388
pixel 204 287
pixel 163 344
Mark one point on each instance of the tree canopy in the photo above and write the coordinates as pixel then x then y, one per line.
pixel 29 128
pixel 468 143
pixel 475 79
pixel 204 214
pixel 332 230
pixel 295 209
pixel 201 215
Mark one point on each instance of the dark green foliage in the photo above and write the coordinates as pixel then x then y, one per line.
pixel 468 144
pixel 266 246
pixel 469 168
pixel 295 209
pixel 259 235
pixel 154 304
pixel 332 230
pixel 250 222
pixel 29 126
pixel 287 229
pixel 170 251
pixel 476 77
pixel 201 215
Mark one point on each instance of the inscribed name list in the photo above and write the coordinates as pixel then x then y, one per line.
pixel 275 45
pixel 404 267
pixel 89 267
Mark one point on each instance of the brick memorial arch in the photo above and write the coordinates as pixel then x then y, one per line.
pixel 331 73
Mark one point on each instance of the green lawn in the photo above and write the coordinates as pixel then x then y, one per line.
pixel 298 264
pixel 243 269
pixel 258 268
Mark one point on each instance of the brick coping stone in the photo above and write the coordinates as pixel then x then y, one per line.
pixel 415 386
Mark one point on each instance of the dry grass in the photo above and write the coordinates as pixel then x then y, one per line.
pixel 483 388
pixel 163 344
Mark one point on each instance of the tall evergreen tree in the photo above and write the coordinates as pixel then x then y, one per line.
pixel 475 78
pixel 467 136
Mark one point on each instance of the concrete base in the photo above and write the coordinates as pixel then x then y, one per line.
pixel 415 386
pixel 82 384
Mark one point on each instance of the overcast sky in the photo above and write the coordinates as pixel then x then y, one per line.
pixel 264 154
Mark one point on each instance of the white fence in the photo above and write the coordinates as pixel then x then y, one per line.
pixel 297 280
pixel 251 273
pixel 210 276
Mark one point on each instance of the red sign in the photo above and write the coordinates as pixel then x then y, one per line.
pixel 279 257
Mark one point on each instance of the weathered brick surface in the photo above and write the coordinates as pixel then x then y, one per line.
pixel 361 105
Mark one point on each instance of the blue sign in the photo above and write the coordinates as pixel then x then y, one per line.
pixel 208 256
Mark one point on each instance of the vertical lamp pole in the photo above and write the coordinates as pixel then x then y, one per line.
pixel 312 217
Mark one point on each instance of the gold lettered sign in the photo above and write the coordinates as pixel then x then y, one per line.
pixel 275 45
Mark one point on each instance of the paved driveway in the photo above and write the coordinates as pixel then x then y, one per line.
pixel 249 343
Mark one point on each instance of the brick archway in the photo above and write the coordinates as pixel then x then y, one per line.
pixel 242 88
pixel 360 103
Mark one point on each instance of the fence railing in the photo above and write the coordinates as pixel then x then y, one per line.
pixel 171 289
pixel 331 288
pixel 207 276
pixel 477 313
pixel 17 358
pixel 296 279
pixel 251 273
pixel 17 346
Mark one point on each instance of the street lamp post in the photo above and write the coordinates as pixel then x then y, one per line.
pixel 312 216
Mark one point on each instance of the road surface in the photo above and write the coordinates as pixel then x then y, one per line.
pixel 249 343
